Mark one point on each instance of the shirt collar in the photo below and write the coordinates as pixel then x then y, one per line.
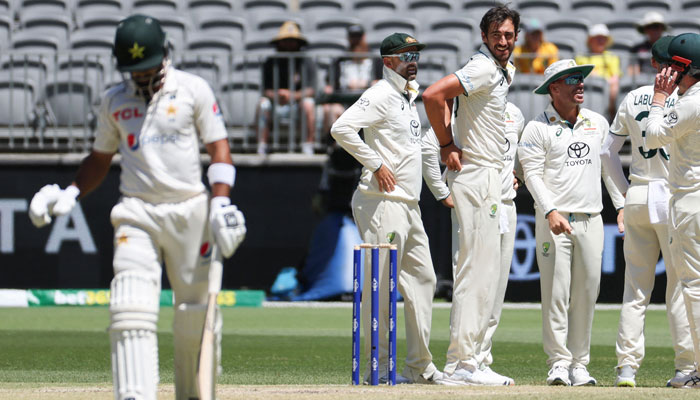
pixel 692 90
pixel 509 69
pixel 400 83
pixel 553 116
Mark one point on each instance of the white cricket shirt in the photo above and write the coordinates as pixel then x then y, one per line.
pixel 647 164
pixel 159 141
pixel 514 128
pixel 392 135
pixel 479 112
pixel 562 163
pixel 681 128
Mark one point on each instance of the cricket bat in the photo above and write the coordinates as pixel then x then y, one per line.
pixel 207 351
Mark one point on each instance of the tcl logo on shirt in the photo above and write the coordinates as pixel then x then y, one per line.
pixel 127 113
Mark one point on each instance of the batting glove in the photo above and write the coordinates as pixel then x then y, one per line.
pixel 227 225
pixel 42 204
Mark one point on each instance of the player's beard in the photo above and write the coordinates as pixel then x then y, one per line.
pixel 148 86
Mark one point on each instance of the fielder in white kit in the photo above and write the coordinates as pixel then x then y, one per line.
pixel 155 119
pixel 474 159
pixel 507 224
pixel 560 156
pixel 385 204
pixel 681 128
pixel 646 230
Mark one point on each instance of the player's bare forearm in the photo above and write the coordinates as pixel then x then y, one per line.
pixel 92 172
pixel 220 152
pixel 435 99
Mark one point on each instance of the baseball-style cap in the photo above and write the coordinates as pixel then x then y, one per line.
pixel 686 45
pixel 532 25
pixel 651 18
pixel 659 51
pixel 356 30
pixel 559 69
pixel 398 41
pixel 139 43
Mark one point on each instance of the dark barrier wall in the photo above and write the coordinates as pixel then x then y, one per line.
pixel 76 251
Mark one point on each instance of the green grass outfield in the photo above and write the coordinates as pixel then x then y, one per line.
pixel 63 352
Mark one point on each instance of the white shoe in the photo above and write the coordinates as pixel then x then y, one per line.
pixel 558 376
pixel 625 377
pixel 678 379
pixel 480 378
pixel 400 380
pixel 507 381
pixel 689 381
pixel 580 377
pixel 441 378
pixel 307 148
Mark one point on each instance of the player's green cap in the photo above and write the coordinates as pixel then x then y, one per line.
pixel 686 45
pixel 659 51
pixel 559 69
pixel 139 43
pixel 395 42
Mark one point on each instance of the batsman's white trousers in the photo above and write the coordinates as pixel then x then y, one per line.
pixel 684 229
pixel 379 220
pixel 641 245
pixel 476 192
pixel 177 233
pixel 570 267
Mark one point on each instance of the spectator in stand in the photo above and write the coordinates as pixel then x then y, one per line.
pixel 351 74
pixel 282 98
pixel 535 54
pixel 607 64
pixel 652 26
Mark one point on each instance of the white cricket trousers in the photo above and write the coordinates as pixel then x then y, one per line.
pixel 177 233
pixel 476 192
pixel 379 221
pixel 642 243
pixel 684 230
pixel 570 267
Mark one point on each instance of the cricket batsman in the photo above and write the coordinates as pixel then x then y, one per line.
pixel 155 119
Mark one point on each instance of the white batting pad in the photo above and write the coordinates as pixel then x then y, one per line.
pixel 188 325
pixel 134 312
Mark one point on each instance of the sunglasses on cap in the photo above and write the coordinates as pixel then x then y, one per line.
pixel 409 56
pixel 573 79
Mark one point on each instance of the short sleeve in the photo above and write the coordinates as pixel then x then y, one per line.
pixel 106 132
pixel 207 114
pixel 475 75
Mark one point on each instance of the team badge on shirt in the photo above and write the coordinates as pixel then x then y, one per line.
pixel 205 250
pixel 494 209
pixel 390 236
pixel 132 140
pixel 672 118
pixel 545 249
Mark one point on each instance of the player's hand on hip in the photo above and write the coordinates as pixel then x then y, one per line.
pixel 51 200
pixel 557 223
pixel 385 179
pixel 227 225
pixel 452 157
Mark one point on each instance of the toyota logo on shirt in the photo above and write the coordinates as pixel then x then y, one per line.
pixel 577 151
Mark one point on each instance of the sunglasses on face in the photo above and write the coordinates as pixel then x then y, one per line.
pixel 406 57
pixel 573 79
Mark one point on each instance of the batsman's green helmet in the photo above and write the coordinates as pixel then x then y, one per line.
pixel 686 45
pixel 139 43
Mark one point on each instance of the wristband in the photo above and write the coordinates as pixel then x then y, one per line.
pixel 447 144
pixel 221 173
pixel 219 201
pixel 549 212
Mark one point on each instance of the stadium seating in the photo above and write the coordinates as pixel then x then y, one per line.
pixel 226 41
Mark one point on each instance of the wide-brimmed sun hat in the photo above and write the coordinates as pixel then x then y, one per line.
pixel 559 69
pixel 289 30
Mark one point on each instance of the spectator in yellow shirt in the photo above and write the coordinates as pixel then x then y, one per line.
pixel 534 55
pixel 607 64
